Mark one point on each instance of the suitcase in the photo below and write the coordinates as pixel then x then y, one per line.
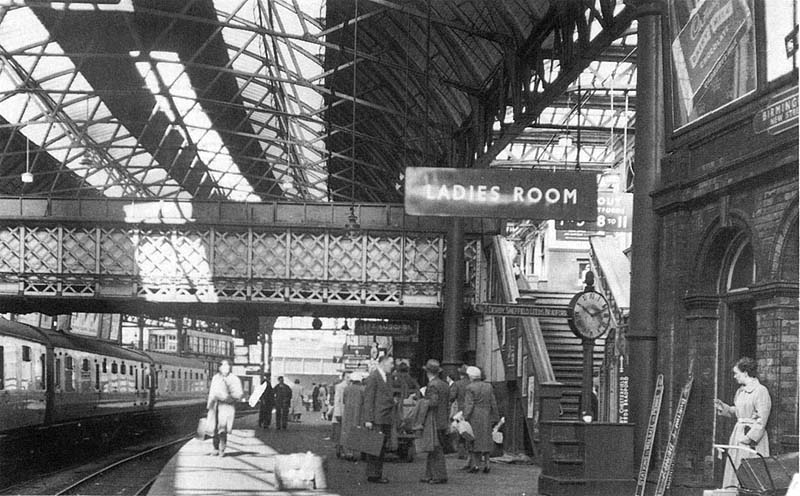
pixel 767 475
pixel 300 471
pixel 365 440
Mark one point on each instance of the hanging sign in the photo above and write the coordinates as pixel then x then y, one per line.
pixel 614 214
pixel 665 475
pixel 509 194
pixel 516 310
pixel 650 437
pixel 394 328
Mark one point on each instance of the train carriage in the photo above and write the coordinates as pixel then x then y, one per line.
pixel 23 395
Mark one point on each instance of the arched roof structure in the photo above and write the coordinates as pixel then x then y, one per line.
pixel 304 100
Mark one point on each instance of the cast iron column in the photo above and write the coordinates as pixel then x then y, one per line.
pixel 643 332
pixel 452 340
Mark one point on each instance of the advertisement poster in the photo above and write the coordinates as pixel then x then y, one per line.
pixel 713 55
pixel 531 396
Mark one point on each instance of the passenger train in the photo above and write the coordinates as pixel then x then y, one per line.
pixel 49 378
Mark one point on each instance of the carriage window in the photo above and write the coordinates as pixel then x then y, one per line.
pixel 2 369
pixel 26 353
pixel 173 374
pixel 69 367
pixel 114 368
pixel 58 372
pixel 42 371
pixel 97 376
pixel 122 369
pixel 85 365
pixel 135 378
pixel 179 373
pixel 105 367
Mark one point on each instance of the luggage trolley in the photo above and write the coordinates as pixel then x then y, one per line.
pixel 775 482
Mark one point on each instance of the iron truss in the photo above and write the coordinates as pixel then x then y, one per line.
pixel 306 100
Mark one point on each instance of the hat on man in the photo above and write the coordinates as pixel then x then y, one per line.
pixel 462 370
pixel 432 366
pixel 474 372
pixel 357 376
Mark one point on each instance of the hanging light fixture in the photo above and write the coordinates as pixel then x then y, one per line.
pixel 345 327
pixel 27 177
pixel 353 227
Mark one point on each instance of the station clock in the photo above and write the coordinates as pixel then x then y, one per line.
pixel 589 315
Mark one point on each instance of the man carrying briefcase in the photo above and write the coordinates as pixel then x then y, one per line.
pixel 379 410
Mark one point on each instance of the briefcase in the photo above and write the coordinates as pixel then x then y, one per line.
pixel 300 471
pixel 766 475
pixel 365 440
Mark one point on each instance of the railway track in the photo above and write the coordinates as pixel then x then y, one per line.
pixel 130 476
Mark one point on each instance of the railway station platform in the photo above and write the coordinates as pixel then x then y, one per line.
pixel 247 467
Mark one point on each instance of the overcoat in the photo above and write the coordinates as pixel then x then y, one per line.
pixel 353 398
pixel 224 392
pixel 480 410
pixel 378 400
pixel 751 407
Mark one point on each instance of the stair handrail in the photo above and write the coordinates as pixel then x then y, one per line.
pixel 609 290
pixel 534 339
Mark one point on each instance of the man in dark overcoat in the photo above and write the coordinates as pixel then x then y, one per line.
pixel 283 399
pixel 267 403
pixel 379 411
pixel 438 395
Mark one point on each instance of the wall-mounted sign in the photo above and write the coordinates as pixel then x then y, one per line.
pixel 779 115
pixel 509 194
pixel 394 328
pixel 614 214
pixel 515 310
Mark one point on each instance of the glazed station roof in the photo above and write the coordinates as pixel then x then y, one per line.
pixel 305 100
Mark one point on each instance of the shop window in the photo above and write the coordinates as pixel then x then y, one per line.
pixel 26 353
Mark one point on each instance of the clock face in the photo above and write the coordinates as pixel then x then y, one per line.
pixel 591 315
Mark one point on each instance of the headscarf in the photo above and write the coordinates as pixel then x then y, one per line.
pixel 473 372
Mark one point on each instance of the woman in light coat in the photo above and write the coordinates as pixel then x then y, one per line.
pixel 751 408
pixel 224 392
pixel 480 410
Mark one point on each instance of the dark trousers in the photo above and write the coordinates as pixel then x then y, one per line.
pixel 435 467
pixel 281 416
pixel 265 415
pixel 375 463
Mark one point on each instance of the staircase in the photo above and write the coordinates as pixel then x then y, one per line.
pixel 564 348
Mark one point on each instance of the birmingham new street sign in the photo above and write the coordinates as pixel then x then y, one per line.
pixel 509 194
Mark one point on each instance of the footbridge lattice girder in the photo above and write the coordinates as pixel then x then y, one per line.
pixel 224 263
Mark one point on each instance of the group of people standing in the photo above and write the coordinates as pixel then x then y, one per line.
pixel 371 401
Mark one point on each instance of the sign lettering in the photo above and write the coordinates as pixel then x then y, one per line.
pixel 652 423
pixel 386 328
pixel 513 310
pixel 780 115
pixel 665 475
pixel 614 214
pixel 510 194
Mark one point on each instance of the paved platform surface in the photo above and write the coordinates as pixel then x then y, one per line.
pixel 247 468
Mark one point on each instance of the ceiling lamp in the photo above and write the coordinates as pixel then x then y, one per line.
pixel 352 227
pixel 27 177
pixel 316 324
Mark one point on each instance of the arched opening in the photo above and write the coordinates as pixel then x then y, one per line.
pixel 739 326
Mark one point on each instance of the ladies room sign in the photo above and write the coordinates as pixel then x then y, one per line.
pixel 508 194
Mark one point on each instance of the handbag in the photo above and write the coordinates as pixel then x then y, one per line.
pixel 365 440
pixel 465 430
